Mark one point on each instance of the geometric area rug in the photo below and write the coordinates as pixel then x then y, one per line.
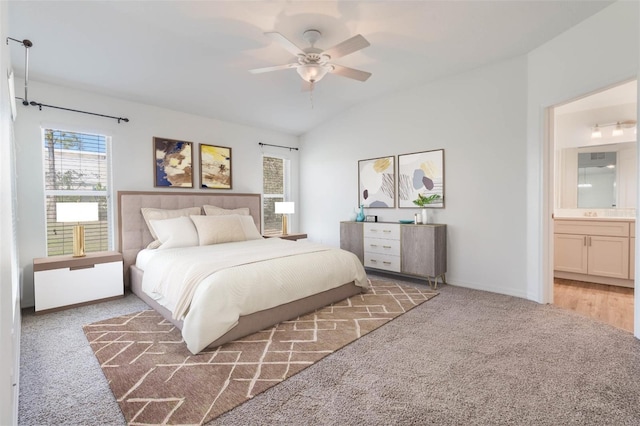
pixel 156 380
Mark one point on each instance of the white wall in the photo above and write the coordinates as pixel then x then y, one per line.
pixel 9 296
pixel 479 118
pixel 132 153
pixel 597 53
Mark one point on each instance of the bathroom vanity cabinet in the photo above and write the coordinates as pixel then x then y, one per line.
pixel 600 251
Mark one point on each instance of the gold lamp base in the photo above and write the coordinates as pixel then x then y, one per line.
pixel 284 224
pixel 78 241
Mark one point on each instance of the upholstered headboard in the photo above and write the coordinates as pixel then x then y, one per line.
pixel 132 229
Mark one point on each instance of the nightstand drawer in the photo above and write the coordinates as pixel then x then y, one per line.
pixel 55 288
pixel 380 245
pixel 382 261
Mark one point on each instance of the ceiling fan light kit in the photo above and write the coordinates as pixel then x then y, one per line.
pixel 313 63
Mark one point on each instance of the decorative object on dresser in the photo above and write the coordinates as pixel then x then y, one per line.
pixel 66 281
pixel 284 208
pixel 77 212
pixel 415 250
pixel 595 250
pixel 173 163
pixel 423 201
pixel 377 182
pixel 421 173
pixel 215 167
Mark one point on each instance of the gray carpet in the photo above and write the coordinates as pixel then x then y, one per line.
pixel 464 358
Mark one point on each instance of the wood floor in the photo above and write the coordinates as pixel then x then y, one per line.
pixel 608 303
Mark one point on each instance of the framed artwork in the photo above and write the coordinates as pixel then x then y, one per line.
pixel 173 163
pixel 215 167
pixel 377 182
pixel 421 175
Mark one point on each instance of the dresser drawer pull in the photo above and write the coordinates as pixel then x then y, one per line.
pixel 386 263
pixel 386 230
pixel 74 268
pixel 386 246
pixel 372 260
pixel 373 245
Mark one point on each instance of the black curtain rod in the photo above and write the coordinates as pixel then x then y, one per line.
pixel 40 105
pixel 277 146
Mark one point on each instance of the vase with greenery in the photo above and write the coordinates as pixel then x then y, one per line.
pixel 422 201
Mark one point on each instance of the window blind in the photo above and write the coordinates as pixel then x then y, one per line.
pixel 76 168
pixel 273 190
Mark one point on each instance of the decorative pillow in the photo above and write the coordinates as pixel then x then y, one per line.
pixel 219 211
pixel 160 214
pixel 175 232
pixel 225 229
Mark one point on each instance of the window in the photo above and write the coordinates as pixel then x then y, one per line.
pixel 76 168
pixel 275 187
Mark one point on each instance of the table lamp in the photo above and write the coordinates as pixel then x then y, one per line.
pixel 284 208
pixel 77 212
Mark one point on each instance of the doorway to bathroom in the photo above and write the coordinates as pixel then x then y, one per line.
pixel 594 204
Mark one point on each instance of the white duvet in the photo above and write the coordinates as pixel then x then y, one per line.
pixel 210 287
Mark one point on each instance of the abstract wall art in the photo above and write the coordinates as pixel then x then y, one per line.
pixel 173 163
pixel 377 182
pixel 421 173
pixel 215 167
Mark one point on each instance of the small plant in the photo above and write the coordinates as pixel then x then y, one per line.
pixel 423 200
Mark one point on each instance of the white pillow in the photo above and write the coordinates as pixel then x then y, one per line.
pixel 160 214
pixel 219 211
pixel 175 232
pixel 225 229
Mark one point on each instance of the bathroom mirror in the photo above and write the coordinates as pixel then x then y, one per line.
pixel 597 180
pixel 597 177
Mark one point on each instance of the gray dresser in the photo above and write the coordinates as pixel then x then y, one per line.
pixel 415 250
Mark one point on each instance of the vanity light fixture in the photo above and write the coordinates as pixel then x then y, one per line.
pixel 596 132
pixel 618 130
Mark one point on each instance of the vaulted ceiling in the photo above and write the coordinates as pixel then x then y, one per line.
pixel 194 56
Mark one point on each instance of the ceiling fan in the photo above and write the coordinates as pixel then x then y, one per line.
pixel 313 63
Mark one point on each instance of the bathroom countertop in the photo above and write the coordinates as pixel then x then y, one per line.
pixel 609 218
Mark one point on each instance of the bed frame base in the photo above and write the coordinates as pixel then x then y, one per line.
pixel 257 321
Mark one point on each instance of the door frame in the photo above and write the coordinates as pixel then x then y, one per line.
pixel 548 188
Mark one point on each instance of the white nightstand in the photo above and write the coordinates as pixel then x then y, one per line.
pixel 62 282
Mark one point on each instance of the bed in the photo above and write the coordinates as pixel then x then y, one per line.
pixel 274 279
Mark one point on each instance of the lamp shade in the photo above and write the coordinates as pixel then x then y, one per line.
pixel 285 207
pixel 76 212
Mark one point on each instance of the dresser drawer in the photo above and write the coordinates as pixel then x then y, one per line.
pixel 382 246
pixel 389 231
pixel 382 261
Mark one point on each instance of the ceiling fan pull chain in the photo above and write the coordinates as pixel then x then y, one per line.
pixel 311 93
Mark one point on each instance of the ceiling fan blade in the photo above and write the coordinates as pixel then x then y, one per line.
pixel 350 72
pixel 351 45
pixel 285 42
pixel 275 68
